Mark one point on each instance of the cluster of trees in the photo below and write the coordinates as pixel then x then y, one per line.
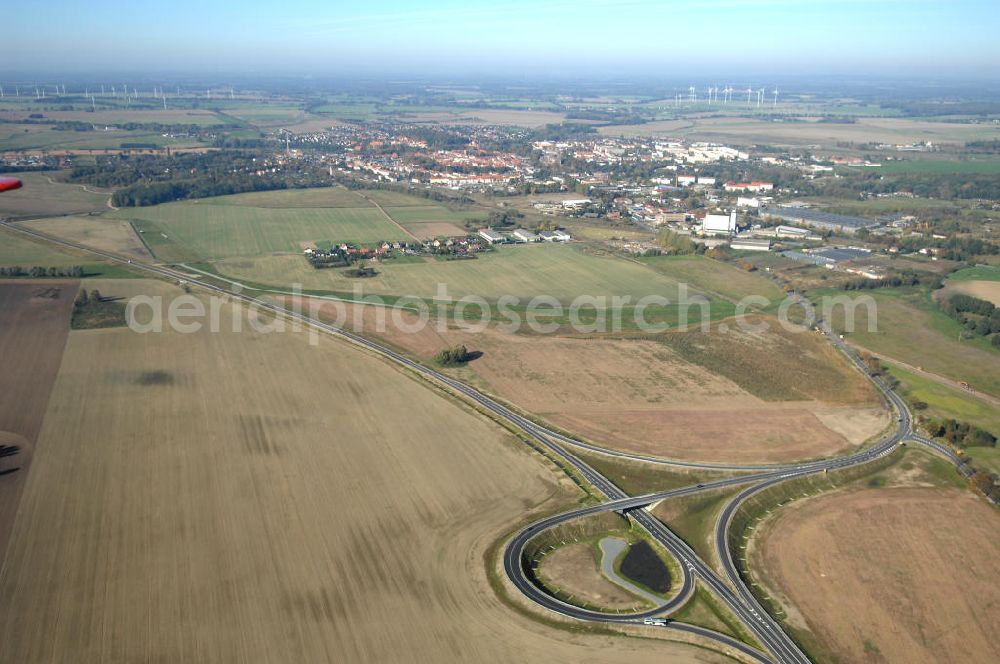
pixel 945 186
pixel 960 434
pixel 125 170
pixel 39 271
pixel 83 299
pixel 154 193
pixel 362 271
pixel 154 179
pixel 564 131
pixel 894 281
pixel 453 357
pixel 987 484
pixel 873 364
pixel 675 243
pixel 983 147
pixel 980 317
pixel 963 248
pixel 498 219
pixel 402 188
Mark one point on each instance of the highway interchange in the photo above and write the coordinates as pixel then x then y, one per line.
pixel 732 591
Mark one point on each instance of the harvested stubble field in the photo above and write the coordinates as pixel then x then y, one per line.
pixel 984 290
pixel 16 249
pixel 903 574
pixel 793 399
pixel 34 323
pixel 250 497
pixel 104 233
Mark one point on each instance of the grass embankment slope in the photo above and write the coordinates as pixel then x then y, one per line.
pixel 251 497
pixel 911 328
pixel 944 401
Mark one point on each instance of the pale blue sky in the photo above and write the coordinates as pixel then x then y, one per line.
pixel 558 37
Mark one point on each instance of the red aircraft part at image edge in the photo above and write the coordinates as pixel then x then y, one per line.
pixel 6 184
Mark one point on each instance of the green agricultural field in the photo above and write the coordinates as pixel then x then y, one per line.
pixel 347 111
pixel 267 114
pixel 717 278
pixel 213 232
pixel 321 197
pixel 976 274
pixel 430 213
pixel 945 401
pixel 394 199
pixel 910 328
pixel 42 137
pixel 988 165
pixel 17 250
pixel 522 271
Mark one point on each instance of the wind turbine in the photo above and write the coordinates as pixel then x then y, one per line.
pixel 776 96
pixel 691 94
pixel 749 92
pixel 760 97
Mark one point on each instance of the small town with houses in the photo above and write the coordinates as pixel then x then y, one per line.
pixel 710 193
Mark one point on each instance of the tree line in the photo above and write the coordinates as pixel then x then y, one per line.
pixel 39 271
pixel 906 278
pixel 960 434
pixel 153 179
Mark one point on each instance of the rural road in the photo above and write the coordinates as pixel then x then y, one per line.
pixel 740 601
